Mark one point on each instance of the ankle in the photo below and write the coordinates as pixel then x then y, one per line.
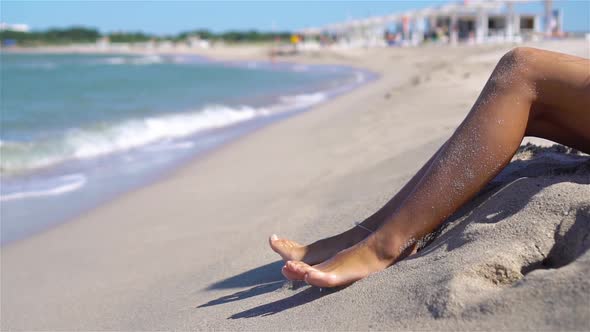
pixel 393 246
pixel 347 238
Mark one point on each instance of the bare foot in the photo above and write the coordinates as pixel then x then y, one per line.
pixel 288 249
pixel 318 251
pixel 348 266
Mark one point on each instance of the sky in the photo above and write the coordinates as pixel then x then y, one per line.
pixel 171 17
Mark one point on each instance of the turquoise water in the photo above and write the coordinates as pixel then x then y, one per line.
pixel 87 127
pixel 58 107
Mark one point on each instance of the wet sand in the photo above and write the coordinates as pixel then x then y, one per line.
pixel 190 252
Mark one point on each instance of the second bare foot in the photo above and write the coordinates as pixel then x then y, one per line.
pixel 348 266
pixel 318 251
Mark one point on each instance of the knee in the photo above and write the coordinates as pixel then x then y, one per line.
pixel 515 67
pixel 518 60
pixel 520 55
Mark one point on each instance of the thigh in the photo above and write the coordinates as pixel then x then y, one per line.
pixel 558 130
pixel 561 108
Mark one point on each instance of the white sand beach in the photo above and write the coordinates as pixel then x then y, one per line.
pixel 190 252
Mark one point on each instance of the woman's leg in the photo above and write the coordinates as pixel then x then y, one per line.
pixel 531 92
pixel 323 249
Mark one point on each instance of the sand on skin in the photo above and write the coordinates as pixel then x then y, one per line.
pixel 190 252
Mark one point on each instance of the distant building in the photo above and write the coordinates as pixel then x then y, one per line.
pixel 466 21
pixel 197 42
pixel 103 43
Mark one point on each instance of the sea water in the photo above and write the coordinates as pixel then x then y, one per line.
pixel 77 130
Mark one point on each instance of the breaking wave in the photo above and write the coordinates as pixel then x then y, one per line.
pixel 127 60
pixel 103 139
pixel 48 187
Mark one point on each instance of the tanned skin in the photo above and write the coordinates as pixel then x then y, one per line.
pixel 531 92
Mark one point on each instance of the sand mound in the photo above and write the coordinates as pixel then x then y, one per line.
pixel 516 257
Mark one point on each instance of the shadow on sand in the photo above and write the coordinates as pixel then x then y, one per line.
pixel 241 295
pixel 269 273
pixel 265 279
pixel 268 278
pixel 306 296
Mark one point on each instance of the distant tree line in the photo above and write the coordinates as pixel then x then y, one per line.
pixel 238 36
pixel 52 36
pixel 129 37
pixel 90 35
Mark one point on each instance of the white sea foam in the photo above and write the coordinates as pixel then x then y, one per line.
pixel 360 77
pixel 82 143
pixel 114 60
pixel 252 65
pixel 135 60
pixel 170 146
pixel 303 100
pixel 50 187
pixel 300 68
pixel 147 60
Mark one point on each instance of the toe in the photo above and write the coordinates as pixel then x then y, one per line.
pixel 278 245
pixel 291 275
pixel 320 279
pixel 272 240
pixel 289 250
pixel 297 267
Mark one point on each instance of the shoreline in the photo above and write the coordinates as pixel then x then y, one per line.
pixel 226 135
pixel 189 252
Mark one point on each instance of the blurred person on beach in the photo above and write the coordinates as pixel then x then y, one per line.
pixel 531 92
